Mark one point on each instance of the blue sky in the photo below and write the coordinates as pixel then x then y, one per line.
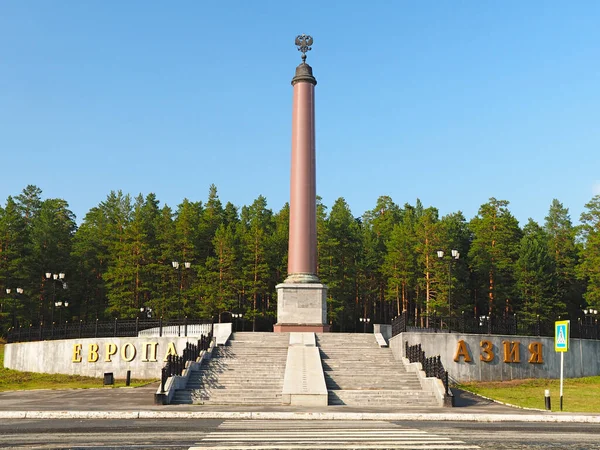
pixel 450 102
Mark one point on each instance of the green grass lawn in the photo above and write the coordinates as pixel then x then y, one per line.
pixel 13 380
pixel 579 394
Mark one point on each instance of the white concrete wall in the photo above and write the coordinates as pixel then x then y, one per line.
pixel 582 359
pixel 57 356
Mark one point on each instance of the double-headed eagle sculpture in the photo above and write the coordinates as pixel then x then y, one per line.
pixel 304 42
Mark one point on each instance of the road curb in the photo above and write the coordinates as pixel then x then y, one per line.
pixel 429 417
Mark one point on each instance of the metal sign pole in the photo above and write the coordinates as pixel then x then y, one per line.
pixel 561 345
pixel 562 357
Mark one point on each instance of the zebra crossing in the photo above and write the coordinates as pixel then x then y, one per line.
pixel 305 434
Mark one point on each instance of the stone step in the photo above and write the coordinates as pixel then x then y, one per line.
pixel 381 398
pixel 241 391
pixel 241 401
pixel 252 351
pixel 257 385
pixel 378 393
pixel 242 375
pixel 247 362
pixel 230 380
pixel 363 364
pixel 370 374
pixel 368 380
pixel 235 376
pixel 374 386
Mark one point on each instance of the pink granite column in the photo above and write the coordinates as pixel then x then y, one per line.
pixel 302 258
pixel 301 298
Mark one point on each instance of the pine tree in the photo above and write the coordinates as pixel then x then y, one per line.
pixel 190 247
pixel 455 235
pixel 119 275
pixel 377 230
pixel 222 275
pixel 589 268
pixel 535 275
pixel 400 262
pixel 90 256
pixel 212 217
pixel 494 252
pixel 568 290
pixel 13 261
pixel 255 230
pixel 428 242
pixel 343 229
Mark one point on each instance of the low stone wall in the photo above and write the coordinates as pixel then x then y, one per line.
pixel 143 356
pixel 480 357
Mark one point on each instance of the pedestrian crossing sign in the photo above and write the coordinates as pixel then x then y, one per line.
pixel 561 336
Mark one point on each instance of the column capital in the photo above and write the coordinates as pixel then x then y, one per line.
pixel 304 73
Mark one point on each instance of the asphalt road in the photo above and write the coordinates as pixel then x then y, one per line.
pixel 270 434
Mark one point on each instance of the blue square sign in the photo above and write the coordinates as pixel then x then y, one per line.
pixel 561 336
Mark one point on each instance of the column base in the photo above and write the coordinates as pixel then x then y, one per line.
pixel 301 307
pixel 300 328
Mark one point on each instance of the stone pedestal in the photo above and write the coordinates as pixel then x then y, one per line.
pixel 301 307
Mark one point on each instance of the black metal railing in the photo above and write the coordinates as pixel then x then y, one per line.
pixel 113 328
pixel 432 366
pixel 508 325
pixel 176 364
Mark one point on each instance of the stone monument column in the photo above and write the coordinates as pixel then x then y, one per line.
pixel 301 298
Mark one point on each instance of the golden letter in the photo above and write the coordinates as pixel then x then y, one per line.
pixel 463 351
pixel 511 352
pixel 535 348
pixel 77 353
pixel 124 352
pixel 93 353
pixel 487 350
pixel 111 349
pixel 149 347
pixel 171 350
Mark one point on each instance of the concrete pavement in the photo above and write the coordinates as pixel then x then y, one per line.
pixel 137 403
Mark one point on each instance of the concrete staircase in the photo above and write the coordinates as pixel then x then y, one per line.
pixel 249 370
pixel 360 373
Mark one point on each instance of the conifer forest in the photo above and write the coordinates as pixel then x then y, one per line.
pixel 118 262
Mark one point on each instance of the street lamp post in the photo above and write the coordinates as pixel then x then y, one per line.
pixel 178 267
pixel 454 255
pixel 591 313
pixel 14 304
pixel 365 321
pixel 60 305
pixel 236 316
pixel 55 277
pixel 590 316
pixel 146 312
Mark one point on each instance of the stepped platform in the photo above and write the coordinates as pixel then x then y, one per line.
pixel 249 370
pixel 360 373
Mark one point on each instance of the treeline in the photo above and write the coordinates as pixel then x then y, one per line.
pixel 119 261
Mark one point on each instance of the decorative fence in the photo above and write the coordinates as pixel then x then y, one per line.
pixel 113 328
pixel 432 366
pixel 176 364
pixel 509 325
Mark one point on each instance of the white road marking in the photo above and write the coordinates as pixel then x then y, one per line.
pixel 299 435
